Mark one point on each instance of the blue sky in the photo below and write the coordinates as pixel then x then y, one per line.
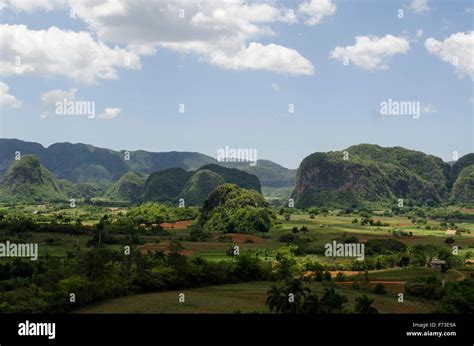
pixel 335 105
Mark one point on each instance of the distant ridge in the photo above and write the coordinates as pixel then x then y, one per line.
pixel 90 164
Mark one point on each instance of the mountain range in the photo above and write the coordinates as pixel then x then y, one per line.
pixel 83 163
pixel 359 175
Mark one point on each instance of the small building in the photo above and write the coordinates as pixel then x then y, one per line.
pixel 451 232
pixel 437 264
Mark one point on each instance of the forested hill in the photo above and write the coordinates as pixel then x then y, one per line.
pixel 368 173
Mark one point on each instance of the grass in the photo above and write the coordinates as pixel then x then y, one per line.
pixel 322 230
pixel 246 298
pixel 407 274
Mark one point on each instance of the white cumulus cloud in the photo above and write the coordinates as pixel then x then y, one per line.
pixel 315 10
pixel 49 98
pixel 457 50
pixel 6 99
pixel 269 57
pixel 110 113
pixel 57 52
pixel 31 5
pixel 215 31
pixel 371 52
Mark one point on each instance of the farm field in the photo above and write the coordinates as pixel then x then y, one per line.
pixel 215 249
pixel 162 249
pixel 244 298
pixel 320 231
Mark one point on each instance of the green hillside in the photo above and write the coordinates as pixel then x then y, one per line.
pixel 463 188
pixel 230 208
pixel 370 174
pixel 128 188
pixel 172 184
pixel 236 176
pixel 269 173
pixel 82 163
pixel 165 186
pixel 460 164
pixel 87 163
pixel 27 180
pixel 200 185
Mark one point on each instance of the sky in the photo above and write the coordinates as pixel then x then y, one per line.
pixel 284 78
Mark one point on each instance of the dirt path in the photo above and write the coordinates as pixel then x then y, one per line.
pixel 462 275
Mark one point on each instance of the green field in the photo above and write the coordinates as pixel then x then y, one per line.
pixel 245 298
pixel 250 297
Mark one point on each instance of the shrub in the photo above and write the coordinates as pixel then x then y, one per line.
pixel 449 240
pixel 380 289
pixel 288 238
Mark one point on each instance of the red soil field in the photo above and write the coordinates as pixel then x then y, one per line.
pixel 241 238
pixel 177 225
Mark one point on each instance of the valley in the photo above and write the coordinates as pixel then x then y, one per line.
pixel 137 243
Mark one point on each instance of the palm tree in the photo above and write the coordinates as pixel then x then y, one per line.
pixel 312 304
pixel 363 305
pixel 296 288
pixel 274 299
pixel 332 302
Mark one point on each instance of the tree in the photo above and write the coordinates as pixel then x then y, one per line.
pixel 449 240
pixel 247 268
pixel 285 263
pixel 312 304
pixel 274 299
pixel 364 305
pixel 332 302
pixel 380 289
pixel 175 258
pixel 290 298
pixel 295 296
pixel 313 212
